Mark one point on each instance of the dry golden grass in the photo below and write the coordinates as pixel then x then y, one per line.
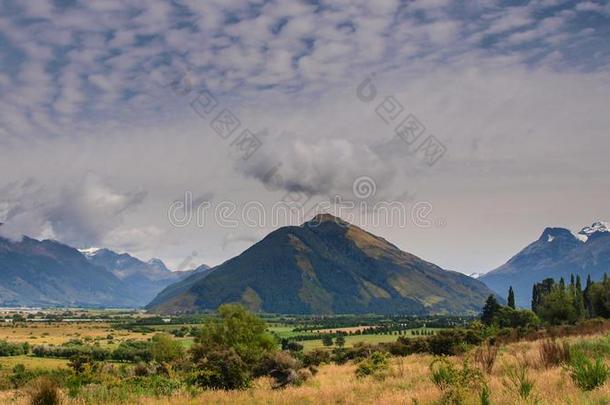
pixel 408 383
pixel 57 333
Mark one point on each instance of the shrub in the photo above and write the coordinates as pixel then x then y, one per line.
pixel 553 353
pixel 282 367
pixel 316 357
pixel 45 391
pixel 455 382
pixel 518 381
pixel 327 340
pixel 222 369
pixel 13 349
pixel 376 365
pixel 451 342
pixel 294 347
pixel 80 362
pixel 165 349
pixel 588 375
pixel 485 395
pixel 485 356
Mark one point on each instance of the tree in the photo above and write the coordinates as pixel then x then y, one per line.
pixel 557 307
pixel 579 302
pixel 340 341
pixel 535 299
pixel 327 340
pixel 511 297
pixel 165 349
pixel 228 349
pixel 540 290
pixel 587 297
pixel 489 310
pixel 238 329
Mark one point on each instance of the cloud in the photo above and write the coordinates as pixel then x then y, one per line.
pixel 81 214
pixel 85 89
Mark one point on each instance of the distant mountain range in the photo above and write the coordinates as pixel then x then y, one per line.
pixel 557 253
pixel 49 273
pixel 144 279
pixel 326 266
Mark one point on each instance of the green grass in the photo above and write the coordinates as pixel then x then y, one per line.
pixel 593 348
pixel 286 331
pixel 42 363
pixel 350 341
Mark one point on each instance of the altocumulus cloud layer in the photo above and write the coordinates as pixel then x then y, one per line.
pixel 95 142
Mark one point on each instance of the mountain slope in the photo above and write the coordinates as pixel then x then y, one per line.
pixel 48 273
pixel 557 253
pixel 144 279
pixel 326 266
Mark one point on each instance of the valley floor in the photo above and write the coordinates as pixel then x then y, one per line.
pixel 408 383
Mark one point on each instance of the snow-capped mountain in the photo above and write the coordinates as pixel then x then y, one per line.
pixel 557 253
pixel 145 279
pixel 596 228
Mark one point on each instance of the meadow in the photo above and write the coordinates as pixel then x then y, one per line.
pixel 408 381
pixel 383 361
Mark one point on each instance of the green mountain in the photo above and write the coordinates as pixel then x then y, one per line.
pixel 326 266
pixel 48 273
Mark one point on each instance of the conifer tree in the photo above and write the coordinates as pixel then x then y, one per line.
pixel 489 310
pixel 535 297
pixel 579 303
pixel 511 297
pixel 587 297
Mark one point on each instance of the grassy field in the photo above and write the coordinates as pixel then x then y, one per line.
pixel 408 382
pixel 57 333
pixel 286 331
pixel 31 362
pixel 350 341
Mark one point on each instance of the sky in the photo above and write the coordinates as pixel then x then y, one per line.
pixel 176 129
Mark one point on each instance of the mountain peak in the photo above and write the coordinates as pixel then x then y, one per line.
pixel 598 227
pixel 326 218
pixel 551 234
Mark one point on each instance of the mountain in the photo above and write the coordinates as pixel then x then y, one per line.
pixel 557 253
pixel 144 279
pixel 326 266
pixel 48 273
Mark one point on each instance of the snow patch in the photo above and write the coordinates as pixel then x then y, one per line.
pixel 89 251
pixel 587 231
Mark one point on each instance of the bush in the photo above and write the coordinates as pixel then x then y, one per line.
pixel 485 356
pixel 518 381
pixel 553 353
pixel 13 349
pixel 45 391
pixel 376 365
pixel 282 367
pixel 455 382
pixel 588 375
pixel 165 349
pixel 451 342
pixel 222 369
pixel 316 357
